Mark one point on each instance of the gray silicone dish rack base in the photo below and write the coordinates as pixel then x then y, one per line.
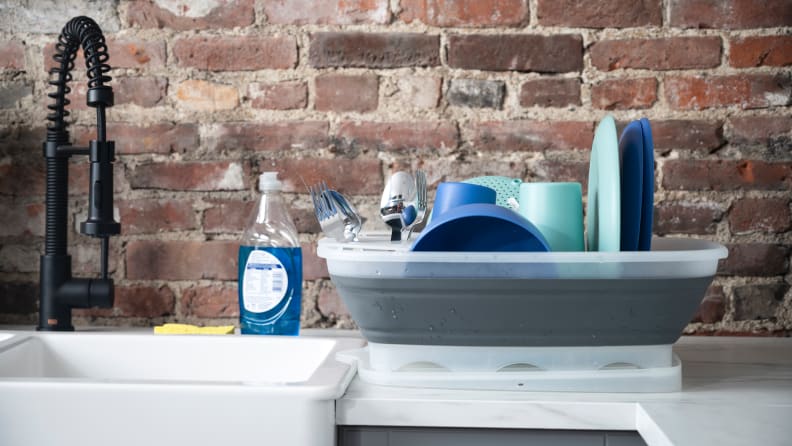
pixel 521 312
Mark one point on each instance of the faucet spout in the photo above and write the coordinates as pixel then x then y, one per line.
pixel 60 292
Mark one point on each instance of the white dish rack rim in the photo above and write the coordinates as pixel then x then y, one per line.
pixel 663 250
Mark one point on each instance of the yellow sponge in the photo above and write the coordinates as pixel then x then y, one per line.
pixel 192 329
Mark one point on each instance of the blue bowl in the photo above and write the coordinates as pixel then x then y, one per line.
pixel 480 228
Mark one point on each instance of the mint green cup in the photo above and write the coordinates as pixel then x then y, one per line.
pixel 556 209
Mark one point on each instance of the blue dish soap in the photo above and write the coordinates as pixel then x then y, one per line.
pixel 270 266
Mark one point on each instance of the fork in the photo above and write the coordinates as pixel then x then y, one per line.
pixel 337 218
pixel 326 211
pixel 420 201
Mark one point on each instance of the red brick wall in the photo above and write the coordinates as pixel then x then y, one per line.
pixel 347 91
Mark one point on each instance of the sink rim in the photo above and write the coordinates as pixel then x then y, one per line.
pixel 329 379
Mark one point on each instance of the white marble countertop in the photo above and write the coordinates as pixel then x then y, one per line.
pixel 735 391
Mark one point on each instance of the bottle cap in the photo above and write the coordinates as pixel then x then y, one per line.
pixel 269 181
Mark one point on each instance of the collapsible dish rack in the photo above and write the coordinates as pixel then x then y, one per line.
pixel 553 321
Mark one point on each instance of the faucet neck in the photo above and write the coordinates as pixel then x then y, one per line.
pixel 60 292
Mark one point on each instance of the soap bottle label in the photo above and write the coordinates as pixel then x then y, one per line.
pixel 265 282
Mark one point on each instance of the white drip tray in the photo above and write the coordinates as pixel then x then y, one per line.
pixel 640 369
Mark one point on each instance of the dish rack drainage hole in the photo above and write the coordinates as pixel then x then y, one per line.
pixel 520 367
pixel 422 366
pixel 620 366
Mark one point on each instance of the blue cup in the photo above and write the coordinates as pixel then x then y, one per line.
pixel 450 195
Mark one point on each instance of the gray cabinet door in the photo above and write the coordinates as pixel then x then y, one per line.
pixel 425 436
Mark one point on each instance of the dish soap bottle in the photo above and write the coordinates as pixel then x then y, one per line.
pixel 270 266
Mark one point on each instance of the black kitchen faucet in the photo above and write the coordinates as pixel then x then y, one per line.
pixel 60 292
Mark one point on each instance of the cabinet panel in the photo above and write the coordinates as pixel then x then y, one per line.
pixel 425 436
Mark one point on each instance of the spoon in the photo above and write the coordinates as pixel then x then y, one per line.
pixel 398 195
pixel 353 222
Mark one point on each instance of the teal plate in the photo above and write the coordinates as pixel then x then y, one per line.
pixel 603 211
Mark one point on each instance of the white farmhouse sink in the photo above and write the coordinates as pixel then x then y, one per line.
pixel 140 389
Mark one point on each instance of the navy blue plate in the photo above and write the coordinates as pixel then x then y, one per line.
pixel 631 152
pixel 647 204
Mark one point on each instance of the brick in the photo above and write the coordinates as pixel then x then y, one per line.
pixel 342 92
pixel 573 171
pixel 48 17
pixel 227 216
pixel 198 15
pixel 369 50
pixel 268 136
pixel 236 53
pixel 516 52
pixel 712 307
pixel 143 91
pixel 12 55
pixel 743 90
pixel 673 53
pixel 686 218
pixel 144 301
pixel 756 302
pixel 21 219
pixel 773 131
pixel 465 13
pixel 550 93
pixel 86 255
pixel 181 260
pixel 599 13
pixel 280 96
pixel 12 93
pixel 726 175
pixel 314 267
pixel 19 258
pixel 476 93
pixel 773 51
pixel 687 134
pixel 730 14
pixel 417 92
pixel 136 53
pixel 330 303
pixel 146 91
pixel 189 175
pixel 397 136
pixel 22 178
pixel 211 301
pixel 755 259
pixel 18 297
pixel 305 221
pixel 207 96
pixel 338 12
pixel 355 177
pixel 531 136
pixel 145 216
pixel 769 215
pixel 454 169
pixel 132 139
pixel 621 94
pixel 16 142
pixel 231 216
pixel 124 52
